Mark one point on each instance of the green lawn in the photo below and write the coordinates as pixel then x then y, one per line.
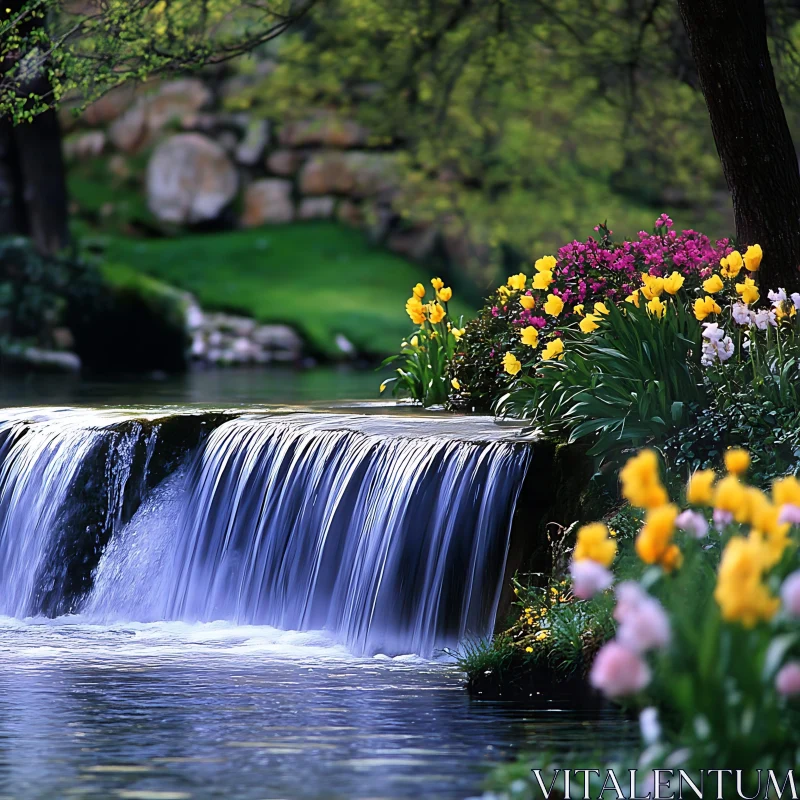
pixel 320 277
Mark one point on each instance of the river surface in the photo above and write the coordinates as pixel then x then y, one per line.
pixel 171 710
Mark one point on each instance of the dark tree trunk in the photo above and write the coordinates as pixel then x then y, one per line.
pixel 33 189
pixel 729 45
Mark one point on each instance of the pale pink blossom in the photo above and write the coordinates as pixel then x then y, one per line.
pixel 790 594
pixel 722 519
pixel 693 522
pixel 787 681
pixel 618 671
pixel 589 578
pixel 790 513
pixel 643 623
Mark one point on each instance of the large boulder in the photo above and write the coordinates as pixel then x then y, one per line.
pixel 176 101
pixel 285 162
pixel 316 207
pixel 268 201
pixel 190 179
pixel 256 138
pixel 323 130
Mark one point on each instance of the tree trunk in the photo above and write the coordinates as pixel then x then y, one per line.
pixel 729 45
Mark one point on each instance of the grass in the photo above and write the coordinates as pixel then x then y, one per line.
pixel 320 277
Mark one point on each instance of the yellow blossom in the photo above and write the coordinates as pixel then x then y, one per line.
pixel 595 544
pixel 653 286
pixel 705 306
pixel 633 297
pixel 511 364
pixel 383 387
pixel 737 460
pixel 554 349
pixel 437 283
pixel 654 543
pixel 554 305
pixel 437 313
pixel 713 285
pixel 748 290
pixel 503 290
pixel 600 308
pixel 419 290
pixel 526 301
pixel 458 333
pixel 517 282
pixel 455 384
pixel 589 323
pixel 415 341
pixel 786 490
pixel 656 307
pixel 673 283
pixel 731 265
pixel 731 496
pixel 541 280
pixel 752 257
pixel 741 593
pixel 578 309
pixel 700 490
pixel 545 264
pixel 641 483
pixel 529 336
pixel 528 649
pixel 417 314
pixel 444 294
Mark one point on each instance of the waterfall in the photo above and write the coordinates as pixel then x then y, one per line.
pixel 391 535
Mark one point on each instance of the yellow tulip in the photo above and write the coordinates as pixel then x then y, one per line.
pixel 517 282
pixel 541 280
pixel 656 307
pixel 653 286
pixel 529 336
pixel 455 384
pixel 737 460
pixel 713 285
pixel 511 364
pixel 545 264
pixel 526 301
pixel 600 308
pixel 437 313
pixel 419 290
pixel 417 315
pixel 458 333
pixel 731 265
pixel 673 283
pixel 554 349
pixel 594 544
pixel 741 593
pixel 752 257
pixel 704 307
pixel 437 283
pixel 700 490
pixel 444 294
pixel 748 290
pixel 578 309
pixel 554 305
pixel 589 323
pixel 633 298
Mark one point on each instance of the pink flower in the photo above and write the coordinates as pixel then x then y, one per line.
pixel 693 522
pixel 618 671
pixel 589 578
pixel 787 681
pixel 790 594
pixel 790 513
pixel 643 623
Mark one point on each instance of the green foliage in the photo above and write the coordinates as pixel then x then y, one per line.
pixel 630 382
pixel 322 278
pixel 37 291
pixel 479 656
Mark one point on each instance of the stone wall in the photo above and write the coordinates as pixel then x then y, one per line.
pixel 207 166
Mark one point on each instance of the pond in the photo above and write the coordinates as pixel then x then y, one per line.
pixel 170 710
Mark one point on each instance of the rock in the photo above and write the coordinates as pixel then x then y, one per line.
pixel 350 213
pixel 285 162
pixel 85 145
pixel 173 102
pixel 323 130
pixel 316 207
pixel 255 140
pixel 194 315
pixel 279 338
pixel 268 201
pixel 228 141
pixel 417 243
pixel 345 345
pixel 357 174
pixel 37 358
pixel 190 179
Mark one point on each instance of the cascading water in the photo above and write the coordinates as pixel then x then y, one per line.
pixel 391 536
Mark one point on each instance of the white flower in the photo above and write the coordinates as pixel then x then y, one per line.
pixel 709 354
pixel 796 300
pixel 589 578
pixel 725 348
pixel 643 623
pixel 764 318
pixel 712 331
pixel 692 522
pixel 742 315
pixel 776 298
